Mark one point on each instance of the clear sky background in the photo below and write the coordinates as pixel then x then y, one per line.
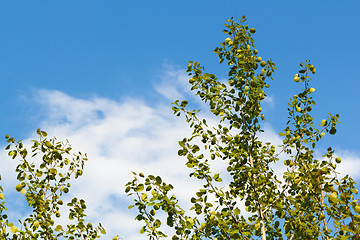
pixel 104 73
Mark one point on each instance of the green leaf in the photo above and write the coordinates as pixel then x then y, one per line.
pixel 237 211
pixel 59 228
pixel 140 187
pixel 48 144
pixel 332 131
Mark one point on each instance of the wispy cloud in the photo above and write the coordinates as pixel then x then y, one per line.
pixel 119 138
pixel 350 163
pixel 124 136
pixel 173 83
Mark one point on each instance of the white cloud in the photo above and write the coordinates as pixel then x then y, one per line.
pixel 173 84
pixel 129 137
pixel 120 137
pixel 350 163
pixel 269 100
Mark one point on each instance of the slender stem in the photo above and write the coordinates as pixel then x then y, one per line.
pixel 292 236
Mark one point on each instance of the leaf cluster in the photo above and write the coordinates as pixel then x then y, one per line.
pixel 43 183
pixel 309 202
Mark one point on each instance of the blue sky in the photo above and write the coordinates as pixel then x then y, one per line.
pixel 103 73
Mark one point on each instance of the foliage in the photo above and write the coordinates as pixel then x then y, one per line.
pixel 43 186
pixel 310 202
